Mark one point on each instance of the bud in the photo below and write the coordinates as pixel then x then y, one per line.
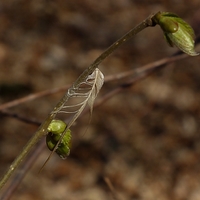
pixel 56 126
pixel 55 130
pixel 177 32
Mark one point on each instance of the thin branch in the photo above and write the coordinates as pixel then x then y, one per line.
pixel 43 128
pixel 32 97
pixel 114 194
pixel 114 77
pixel 19 117
pixel 138 74
pixel 146 23
pixel 144 68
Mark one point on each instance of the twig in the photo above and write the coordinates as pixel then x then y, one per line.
pixel 19 117
pixel 107 79
pixel 33 97
pixel 114 194
pixel 43 128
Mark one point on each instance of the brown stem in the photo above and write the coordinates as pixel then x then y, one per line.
pixel 43 128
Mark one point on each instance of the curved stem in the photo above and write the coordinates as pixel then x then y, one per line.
pixel 146 23
pixel 43 128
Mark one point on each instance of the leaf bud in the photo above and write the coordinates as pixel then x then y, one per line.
pixel 55 130
pixel 176 31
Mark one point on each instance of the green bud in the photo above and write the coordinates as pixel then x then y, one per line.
pixel 177 32
pixel 56 126
pixel 55 130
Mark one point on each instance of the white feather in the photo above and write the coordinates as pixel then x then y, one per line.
pixel 85 94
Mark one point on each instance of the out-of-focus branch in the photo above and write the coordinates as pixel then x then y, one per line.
pixel 32 97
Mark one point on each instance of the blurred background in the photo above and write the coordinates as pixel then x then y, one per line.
pixel 144 141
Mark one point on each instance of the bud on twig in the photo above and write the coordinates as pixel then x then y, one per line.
pixel 55 130
pixel 177 32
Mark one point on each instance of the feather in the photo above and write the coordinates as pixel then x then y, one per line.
pixel 96 79
pixel 85 93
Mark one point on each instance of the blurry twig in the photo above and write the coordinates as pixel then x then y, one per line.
pixel 33 97
pixel 147 67
pixel 114 194
pixel 114 77
pixel 135 75
pixel 138 73
pixel 19 117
